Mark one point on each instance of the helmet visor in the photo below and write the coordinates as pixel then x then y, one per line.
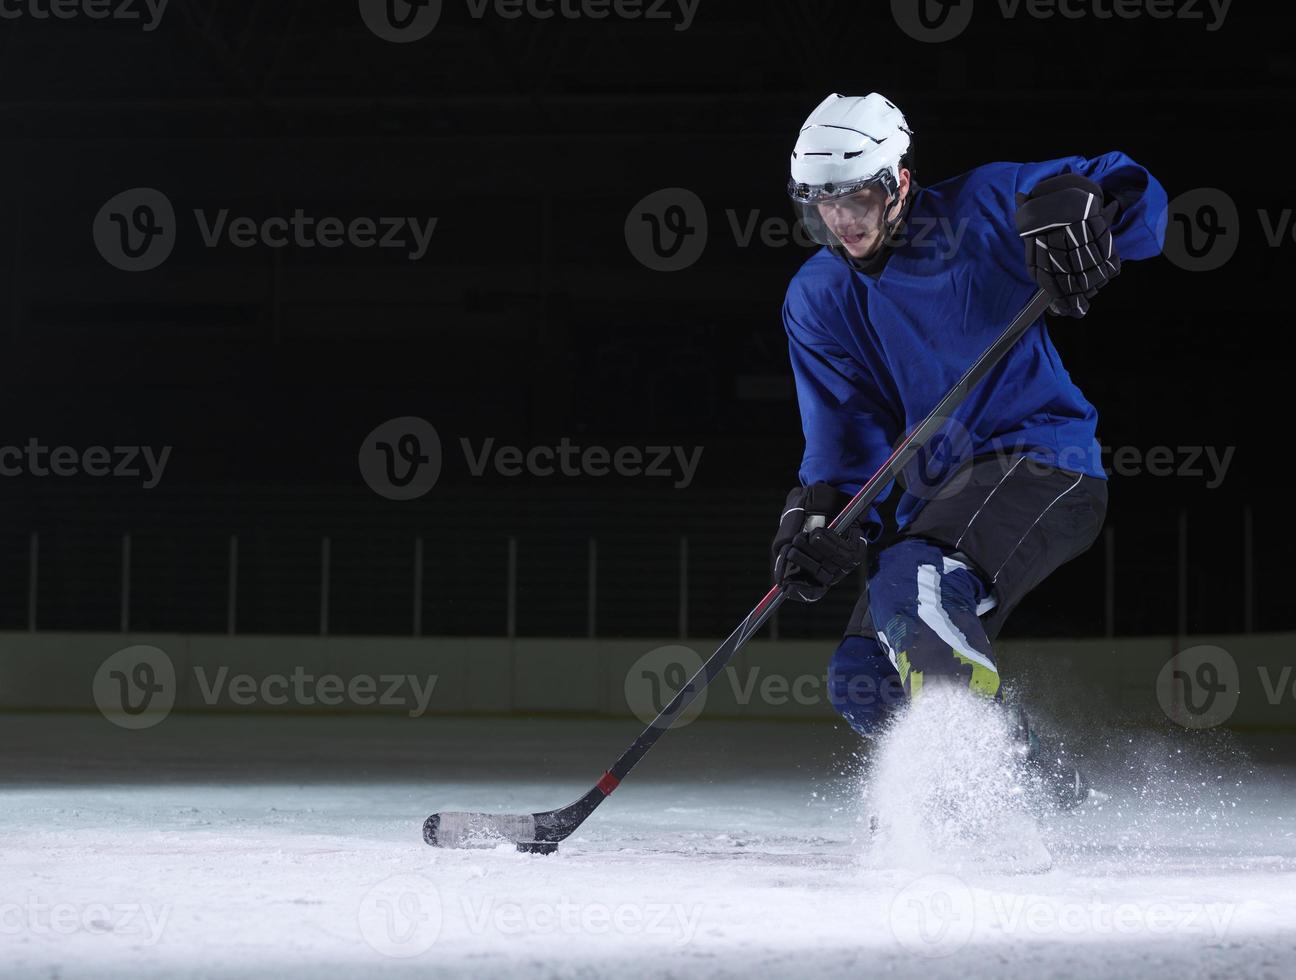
pixel 854 221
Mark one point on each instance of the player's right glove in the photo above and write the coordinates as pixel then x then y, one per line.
pixel 809 559
pixel 1069 247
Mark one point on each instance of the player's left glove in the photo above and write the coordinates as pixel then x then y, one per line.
pixel 1069 246
pixel 809 559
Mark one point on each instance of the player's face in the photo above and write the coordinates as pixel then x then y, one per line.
pixel 857 220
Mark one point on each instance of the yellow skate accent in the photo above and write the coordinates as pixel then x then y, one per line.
pixel 984 682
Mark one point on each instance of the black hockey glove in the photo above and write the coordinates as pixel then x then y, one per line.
pixel 1069 247
pixel 808 558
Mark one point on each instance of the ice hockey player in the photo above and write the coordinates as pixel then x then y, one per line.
pixel 911 285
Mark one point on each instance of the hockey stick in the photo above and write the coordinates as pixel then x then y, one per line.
pixel 541 832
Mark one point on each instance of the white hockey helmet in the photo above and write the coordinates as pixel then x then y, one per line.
pixel 847 145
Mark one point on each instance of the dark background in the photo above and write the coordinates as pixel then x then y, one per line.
pixel 529 319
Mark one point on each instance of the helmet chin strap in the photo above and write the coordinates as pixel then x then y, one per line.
pixel 873 263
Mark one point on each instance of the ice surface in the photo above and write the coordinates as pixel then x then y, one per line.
pixel 217 846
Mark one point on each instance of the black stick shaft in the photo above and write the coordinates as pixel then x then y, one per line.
pixel 900 457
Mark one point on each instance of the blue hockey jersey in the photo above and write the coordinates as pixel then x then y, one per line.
pixel 872 356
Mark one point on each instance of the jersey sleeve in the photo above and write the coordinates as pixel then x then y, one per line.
pixel 1139 229
pixel 848 427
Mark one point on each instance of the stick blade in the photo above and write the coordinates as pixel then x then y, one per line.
pixel 481 830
